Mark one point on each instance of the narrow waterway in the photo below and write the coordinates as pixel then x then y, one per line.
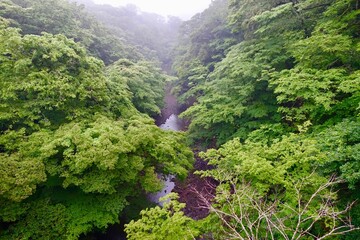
pixel 173 123
pixel 168 120
pixel 189 189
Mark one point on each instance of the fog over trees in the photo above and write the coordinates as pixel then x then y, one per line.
pixel 269 90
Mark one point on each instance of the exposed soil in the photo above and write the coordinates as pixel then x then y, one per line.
pixel 196 192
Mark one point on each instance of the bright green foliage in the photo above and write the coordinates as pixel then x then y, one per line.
pixel 236 100
pixel 327 63
pixel 260 183
pixel 242 11
pixel 285 101
pixel 20 167
pixel 272 18
pixel 145 82
pixel 99 163
pixel 100 156
pixel 324 51
pixel 70 19
pixel 91 155
pixel 73 146
pixel 277 81
pixel 46 80
pixel 291 67
pixel 276 166
pixel 167 222
pixel 20 175
pixel 240 212
pixel 307 93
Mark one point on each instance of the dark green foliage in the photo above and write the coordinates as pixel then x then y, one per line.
pixel 341 143
pixel 42 221
pixel 203 41
pixel 144 81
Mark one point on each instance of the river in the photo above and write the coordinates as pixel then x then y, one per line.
pixel 168 120
pixel 173 123
pixel 206 186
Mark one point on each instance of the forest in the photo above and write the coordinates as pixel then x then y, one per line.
pixel 270 90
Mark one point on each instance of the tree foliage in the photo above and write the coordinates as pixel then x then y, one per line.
pixel 273 85
pixel 282 105
pixel 73 146
pixel 154 36
pixel 71 20
pixel 291 67
pixel 62 82
pixel 167 222
pixel 203 41
pixel 144 81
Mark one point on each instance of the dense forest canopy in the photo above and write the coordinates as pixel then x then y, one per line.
pixel 271 90
pixel 274 87
pixel 77 142
pixel 71 20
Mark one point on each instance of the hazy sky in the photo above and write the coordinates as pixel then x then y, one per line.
pixel 182 8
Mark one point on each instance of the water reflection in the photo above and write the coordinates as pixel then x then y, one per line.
pixel 168 187
pixel 175 124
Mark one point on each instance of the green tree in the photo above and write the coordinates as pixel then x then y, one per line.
pixel 71 20
pixel 203 41
pixel 145 82
pixel 167 222
pixel 46 80
pixel 72 141
pixel 297 64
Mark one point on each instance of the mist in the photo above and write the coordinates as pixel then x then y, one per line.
pixel 184 9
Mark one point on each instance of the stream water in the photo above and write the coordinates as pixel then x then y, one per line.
pixel 168 120
pixel 175 124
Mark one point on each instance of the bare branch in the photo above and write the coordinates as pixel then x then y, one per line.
pixel 247 215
